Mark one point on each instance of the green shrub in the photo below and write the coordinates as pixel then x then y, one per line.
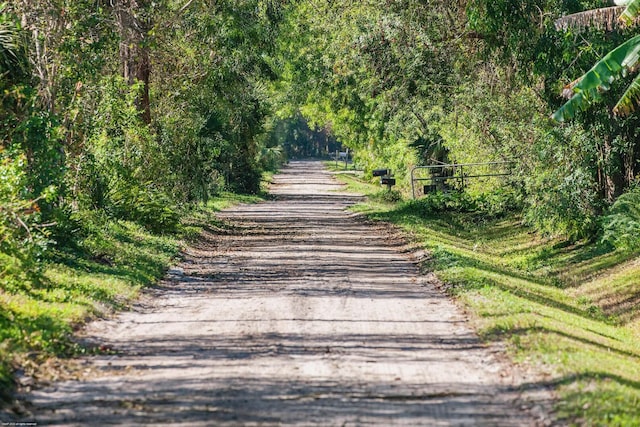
pixel 493 204
pixel 439 202
pixel 145 205
pixel 621 227
pixel 560 183
pixel 563 203
pixel 23 239
pixel 388 196
pixel 499 202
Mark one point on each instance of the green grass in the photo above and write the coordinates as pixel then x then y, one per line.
pixel 102 274
pixel 378 197
pixel 570 310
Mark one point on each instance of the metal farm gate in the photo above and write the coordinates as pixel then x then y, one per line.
pixel 448 176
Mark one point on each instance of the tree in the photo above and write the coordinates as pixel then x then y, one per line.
pixel 134 23
pixel 616 64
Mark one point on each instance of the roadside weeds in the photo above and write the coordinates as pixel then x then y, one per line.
pixel 563 311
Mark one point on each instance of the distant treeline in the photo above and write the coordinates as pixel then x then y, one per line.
pixel 134 110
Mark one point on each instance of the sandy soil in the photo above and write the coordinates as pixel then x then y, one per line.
pixel 299 314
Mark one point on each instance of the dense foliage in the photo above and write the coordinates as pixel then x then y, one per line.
pixel 137 109
pixel 118 116
pixel 406 83
pixel 132 109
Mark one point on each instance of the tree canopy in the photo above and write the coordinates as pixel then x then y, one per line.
pixel 139 109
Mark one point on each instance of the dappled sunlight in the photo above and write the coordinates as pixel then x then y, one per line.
pixel 568 309
pixel 299 313
pixel 558 270
pixel 584 270
pixel 617 292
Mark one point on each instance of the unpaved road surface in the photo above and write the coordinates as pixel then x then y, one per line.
pixel 300 314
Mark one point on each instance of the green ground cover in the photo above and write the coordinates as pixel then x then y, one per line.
pixel 569 309
pixel 104 272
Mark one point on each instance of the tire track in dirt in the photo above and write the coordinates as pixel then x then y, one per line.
pixel 300 314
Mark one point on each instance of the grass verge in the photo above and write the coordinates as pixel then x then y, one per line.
pixel 570 310
pixel 102 274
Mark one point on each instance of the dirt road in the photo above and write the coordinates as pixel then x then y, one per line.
pixel 300 315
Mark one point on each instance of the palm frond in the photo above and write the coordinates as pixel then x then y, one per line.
pixel 9 47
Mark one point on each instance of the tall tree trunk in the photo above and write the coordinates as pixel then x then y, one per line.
pixel 609 181
pixel 134 24
pixel 143 74
pixel 46 24
pixel 629 161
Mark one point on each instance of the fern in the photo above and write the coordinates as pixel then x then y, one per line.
pixel 622 225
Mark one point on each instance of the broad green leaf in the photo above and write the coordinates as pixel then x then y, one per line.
pixel 611 66
pixel 571 108
pixel 599 78
pixel 631 12
pixel 628 101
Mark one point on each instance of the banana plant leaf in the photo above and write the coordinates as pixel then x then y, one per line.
pixel 631 12
pixel 614 65
pixel 629 100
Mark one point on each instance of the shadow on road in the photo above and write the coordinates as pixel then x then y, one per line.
pixel 298 314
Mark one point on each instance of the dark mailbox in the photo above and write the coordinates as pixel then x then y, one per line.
pixel 381 172
pixel 385 180
pixel 432 188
